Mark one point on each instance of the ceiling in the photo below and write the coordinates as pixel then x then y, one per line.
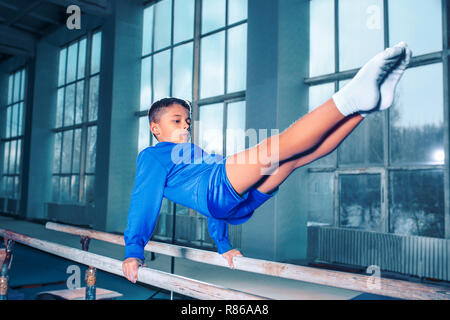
pixel 24 22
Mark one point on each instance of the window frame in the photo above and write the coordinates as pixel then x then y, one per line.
pixel 196 102
pixel 386 168
pixel 84 125
pixel 22 70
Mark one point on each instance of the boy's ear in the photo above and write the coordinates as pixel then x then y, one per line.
pixel 154 128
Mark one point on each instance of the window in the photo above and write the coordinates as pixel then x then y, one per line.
pixel 12 137
pixel 196 50
pixel 75 128
pixel 400 151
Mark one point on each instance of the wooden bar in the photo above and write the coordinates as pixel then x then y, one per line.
pixel 381 286
pixel 181 285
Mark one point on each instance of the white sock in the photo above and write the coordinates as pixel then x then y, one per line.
pixel 387 89
pixel 389 84
pixel 362 93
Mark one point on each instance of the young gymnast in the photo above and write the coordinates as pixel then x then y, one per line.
pixel 228 190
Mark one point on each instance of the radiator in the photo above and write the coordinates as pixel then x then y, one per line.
pixel 409 255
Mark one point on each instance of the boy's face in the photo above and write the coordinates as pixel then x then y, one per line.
pixel 174 125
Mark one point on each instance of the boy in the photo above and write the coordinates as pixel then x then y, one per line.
pixel 227 191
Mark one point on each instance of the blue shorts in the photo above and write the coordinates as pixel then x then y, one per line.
pixel 226 204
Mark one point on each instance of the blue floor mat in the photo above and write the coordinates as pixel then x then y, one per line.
pixel 369 296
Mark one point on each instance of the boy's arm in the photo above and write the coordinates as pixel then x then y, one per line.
pixel 218 230
pixel 145 204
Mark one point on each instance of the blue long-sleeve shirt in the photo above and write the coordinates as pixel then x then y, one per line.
pixel 179 172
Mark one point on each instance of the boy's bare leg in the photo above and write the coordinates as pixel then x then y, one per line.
pixel 361 94
pixel 247 167
pixel 269 183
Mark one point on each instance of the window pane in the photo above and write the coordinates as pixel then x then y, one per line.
pixel 362 209
pixel 320 197
pixel 211 128
pixel 418 23
pixel 91 149
pixel 317 96
pixel 16 187
pixel 96 52
pixel 360 32
pixel 9 186
pixel 76 151
pixel 55 188
pixel 16 87
pixel 74 188
pixel 416 202
pixel 62 67
pixel 146 88
pixel 81 59
pixel 20 124
pixel 212 65
pixel 362 147
pixel 320 94
pixel 182 71
pixel 144 134
pixel 321 49
pixel 89 189
pixel 12 157
pixel 161 75
pixel 22 85
pixel 18 158
pixel 213 15
pixel 147 33
pixel 72 62
pixel 15 113
pixel 237 10
pixel 57 153
pixel 8 122
pixel 59 107
pixel 93 97
pixel 69 105
pixel 80 102
pixel 10 88
pixel 163 23
pixel 235 135
pixel 184 20
pixel 6 157
pixel 2 185
pixel 237 58
pixel 65 189
pixel 417 117
pixel 66 151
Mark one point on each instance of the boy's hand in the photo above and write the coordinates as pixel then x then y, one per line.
pixel 130 269
pixel 229 255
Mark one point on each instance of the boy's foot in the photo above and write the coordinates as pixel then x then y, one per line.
pixel 362 93
pixel 389 84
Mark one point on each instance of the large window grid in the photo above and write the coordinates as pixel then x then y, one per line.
pixel 12 137
pixel 75 128
pixel 213 39
pixel 411 189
